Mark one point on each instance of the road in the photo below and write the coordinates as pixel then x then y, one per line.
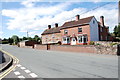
pixel 56 64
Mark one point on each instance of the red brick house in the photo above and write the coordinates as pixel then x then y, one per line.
pixel 77 32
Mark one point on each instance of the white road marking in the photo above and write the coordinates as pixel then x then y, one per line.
pixel 21 77
pixel 27 71
pixel 18 65
pixel 22 67
pixel 33 75
pixel 17 73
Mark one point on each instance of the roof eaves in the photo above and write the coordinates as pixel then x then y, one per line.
pixel 74 25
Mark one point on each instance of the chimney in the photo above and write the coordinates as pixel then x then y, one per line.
pixel 77 17
pixel 56 25
pixel 102 20
pixel 49 26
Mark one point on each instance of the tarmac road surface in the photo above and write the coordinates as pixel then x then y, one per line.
pixel 56 64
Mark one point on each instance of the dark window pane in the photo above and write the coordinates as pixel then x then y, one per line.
pixel 79 29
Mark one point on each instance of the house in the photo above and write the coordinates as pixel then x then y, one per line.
pixel 77 32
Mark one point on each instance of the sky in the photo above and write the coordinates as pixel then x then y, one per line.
pixel 34 16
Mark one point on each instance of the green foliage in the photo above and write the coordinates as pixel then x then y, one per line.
pixel 36 38
pixel 92 42
pixel 117 31
pixel 97 44
pixel 111 44
pixel 15 39
pixel 10 40
pixel 25 38
pixel 30 39
pixel 4 42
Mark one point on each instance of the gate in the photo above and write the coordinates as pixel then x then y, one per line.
pixel 118 49
pixel 48 46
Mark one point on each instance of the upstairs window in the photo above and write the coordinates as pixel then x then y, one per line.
pixel 79 30
pixel 65 31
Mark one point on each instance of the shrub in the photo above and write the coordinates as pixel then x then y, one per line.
pixel 111 44
pixel 92 42
pixel 97 44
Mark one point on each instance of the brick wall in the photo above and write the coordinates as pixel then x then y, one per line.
pixel 98 49
pixel 41 47
pixel 26 46
pixel 68 48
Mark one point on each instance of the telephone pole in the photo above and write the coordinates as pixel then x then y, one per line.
pixel 27 34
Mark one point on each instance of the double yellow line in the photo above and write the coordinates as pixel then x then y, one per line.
pixel 15 61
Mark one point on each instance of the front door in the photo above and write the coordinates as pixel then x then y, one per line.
pixel 73 41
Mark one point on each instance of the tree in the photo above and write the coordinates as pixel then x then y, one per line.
pixel 15 39
pixel 24 38
pixel 37 38
pixel 117 31
pixel 10 40
pixel 30 39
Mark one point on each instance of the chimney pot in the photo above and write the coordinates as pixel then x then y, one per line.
pixel 49 26
pixel 77 17
pixel 102 20
pixel 56 25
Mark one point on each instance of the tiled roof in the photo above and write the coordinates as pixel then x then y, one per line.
pixel 68 25
pixel 52 30
pixel 75 23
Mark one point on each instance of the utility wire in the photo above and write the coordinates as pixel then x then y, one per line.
pixel 91 10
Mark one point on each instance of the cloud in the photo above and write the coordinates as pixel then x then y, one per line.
pixel 37 18
pixel 110 13
pixel 29 3
pixel 32 18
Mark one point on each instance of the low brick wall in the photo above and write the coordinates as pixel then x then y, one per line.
pixel 26 46
pixel 98 49
pixel 41 47
pixel 69 48
pixel 106 49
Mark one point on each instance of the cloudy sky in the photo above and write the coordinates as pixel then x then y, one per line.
pixel 20 17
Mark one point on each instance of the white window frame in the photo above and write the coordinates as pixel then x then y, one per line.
pixel 65 31
pixel 79 38
pixel 66 38
pixel 82 37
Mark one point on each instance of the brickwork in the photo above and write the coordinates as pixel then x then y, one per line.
pixel 41 47
pixel 74 30
pixel 98 49
pixel 79 49
pixel 51 38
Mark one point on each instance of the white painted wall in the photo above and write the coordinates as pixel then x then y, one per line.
pixel 94 36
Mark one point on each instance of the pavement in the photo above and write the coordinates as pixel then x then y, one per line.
pixel 4 59
pixel 55 64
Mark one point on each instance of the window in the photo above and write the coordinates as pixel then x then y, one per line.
pixel 85 39
pixel 82 39
pixel 79 29
pixel 65 31
pixel 66 39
